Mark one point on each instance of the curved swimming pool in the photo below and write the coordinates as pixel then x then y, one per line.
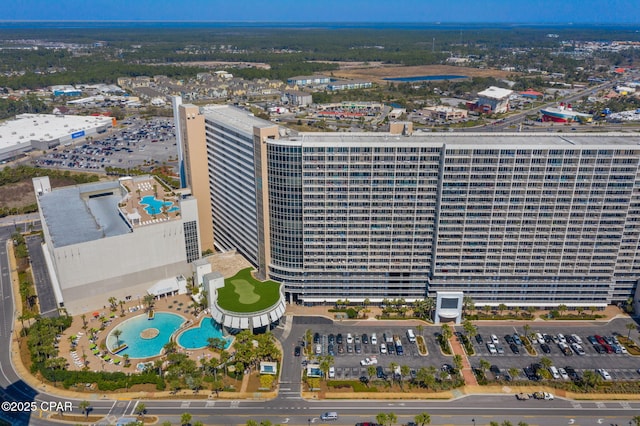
pixel 154 206
pixel 198 337
pixel 145 338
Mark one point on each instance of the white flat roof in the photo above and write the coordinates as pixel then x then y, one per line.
pixel 495 93
pixel 46 127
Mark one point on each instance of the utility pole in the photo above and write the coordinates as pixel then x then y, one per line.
pixel 433 45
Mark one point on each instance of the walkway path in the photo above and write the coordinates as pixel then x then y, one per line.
pixel 467 372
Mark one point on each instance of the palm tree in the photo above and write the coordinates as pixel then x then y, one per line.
pixel 422 419
pixel 630 326
pixel 591 378
pixel 420 328
pixel 113 302
pixel 636 420
pixel 84 321
pixel 514 372
pixel 84 407
pixel 546 362
pixel 469 328
pixel 484 365
pixel 467 304
pixel 527 330
pixel 185 419
pixel 457 361
pixel 531 310
pixel 149 300
pixel 371 371
pixel 117 333
pixel 562 309
pixel 501 308
pixel 141 410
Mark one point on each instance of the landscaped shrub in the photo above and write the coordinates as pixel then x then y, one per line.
pixel 356 385
pixel 352 313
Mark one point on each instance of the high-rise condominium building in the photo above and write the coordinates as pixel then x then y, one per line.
pixel 520 219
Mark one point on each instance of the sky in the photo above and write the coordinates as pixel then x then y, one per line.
pixel 428 11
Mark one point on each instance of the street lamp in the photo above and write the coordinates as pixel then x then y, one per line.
pixel 474 421
pixel 309 422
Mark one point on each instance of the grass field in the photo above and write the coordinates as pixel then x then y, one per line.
pixel 242 293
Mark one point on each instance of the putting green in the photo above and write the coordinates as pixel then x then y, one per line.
pixel 245 292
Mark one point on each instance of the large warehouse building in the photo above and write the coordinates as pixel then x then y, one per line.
pixel 116 238
pixel 30 132
pixel 520 219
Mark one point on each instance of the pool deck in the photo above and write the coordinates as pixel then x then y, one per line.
pixel 96 363
pixel 140 188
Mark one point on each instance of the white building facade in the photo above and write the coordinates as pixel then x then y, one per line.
pixel 519 219
pixel 95 251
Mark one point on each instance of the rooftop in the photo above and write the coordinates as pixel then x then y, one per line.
pixel 241 119
pixel 77 214
pixel 495 93
pixel 28 127
pixel 469 140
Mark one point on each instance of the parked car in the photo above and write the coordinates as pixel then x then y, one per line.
pixel 332 372
pixel 517 340
pixel 563 373
pixel 296 351
pixel 492 348
pixel 604 373
pixel 514 348
pixel 573 374
pixel 545 348
pixel 494 339
pixel 479 339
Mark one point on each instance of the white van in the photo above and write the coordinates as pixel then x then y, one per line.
pixel 411 336
pixel 329 416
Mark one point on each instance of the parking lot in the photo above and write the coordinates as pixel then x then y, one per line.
pixel 620 366
pixel 133 143
pixel 347 358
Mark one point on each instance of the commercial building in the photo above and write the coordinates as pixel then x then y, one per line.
pixel 116 238
pixel 494 100
pixel 44 131
pixel 520 219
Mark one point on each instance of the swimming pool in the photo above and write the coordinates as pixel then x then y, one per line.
pixel 197 337
pixel 145 338
pixel 154 206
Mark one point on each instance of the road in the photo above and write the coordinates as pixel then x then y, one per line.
pixel 517 118
pixel 289 407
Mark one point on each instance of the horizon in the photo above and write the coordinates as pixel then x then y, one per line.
pixel 532 12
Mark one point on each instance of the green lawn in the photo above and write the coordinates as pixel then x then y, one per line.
pixel 242 293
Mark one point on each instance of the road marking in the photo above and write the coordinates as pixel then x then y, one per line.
pixel 185 404
pixel 625 405
pixel 600 405
pixel 576 404
pixel 210 404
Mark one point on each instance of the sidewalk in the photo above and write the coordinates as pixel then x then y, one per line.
pixel 467 372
